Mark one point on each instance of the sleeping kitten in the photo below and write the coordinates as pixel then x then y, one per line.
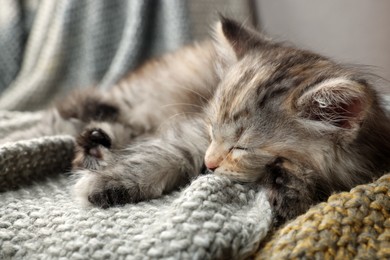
pixel 247 108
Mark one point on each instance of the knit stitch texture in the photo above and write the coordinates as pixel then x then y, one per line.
pixel 351 225
pixel 81 43
pixel 211 218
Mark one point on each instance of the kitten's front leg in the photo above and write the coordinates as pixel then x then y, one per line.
pixel 145 170
pixel 291 189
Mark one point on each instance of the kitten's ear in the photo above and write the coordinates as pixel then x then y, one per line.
pixel 233 40
pixel 341 103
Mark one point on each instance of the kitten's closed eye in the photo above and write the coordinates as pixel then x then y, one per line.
pixel 239 148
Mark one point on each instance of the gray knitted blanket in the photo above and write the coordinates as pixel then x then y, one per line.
pixel 211 218
pixel 49 47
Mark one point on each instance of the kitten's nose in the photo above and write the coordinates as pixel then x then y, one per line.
pixel 211 165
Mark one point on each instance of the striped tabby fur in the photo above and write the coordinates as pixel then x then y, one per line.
pixel 248 108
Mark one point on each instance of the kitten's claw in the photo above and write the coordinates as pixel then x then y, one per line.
pixel 93 137
pixel 90 148
pixel 100 137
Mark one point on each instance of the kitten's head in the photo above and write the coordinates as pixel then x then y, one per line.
pixel 283 111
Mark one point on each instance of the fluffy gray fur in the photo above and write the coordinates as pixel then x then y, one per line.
pixel 254 110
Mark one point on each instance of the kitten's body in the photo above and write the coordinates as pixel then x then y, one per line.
pixel 256 111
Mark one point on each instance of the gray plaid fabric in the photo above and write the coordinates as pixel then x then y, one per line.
pixel 49 47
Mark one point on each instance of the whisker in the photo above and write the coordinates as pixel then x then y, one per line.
pixel 166 121
pixel 181 104
pixel 197 93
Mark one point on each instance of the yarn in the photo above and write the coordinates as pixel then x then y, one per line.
pixel 33 159
pixel 353 224
pixel 211 218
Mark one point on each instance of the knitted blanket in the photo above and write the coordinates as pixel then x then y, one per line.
pixel 350 225
pixel 211 218
pixel 74 43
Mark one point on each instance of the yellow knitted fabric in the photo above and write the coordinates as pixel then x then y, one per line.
pixel 353 224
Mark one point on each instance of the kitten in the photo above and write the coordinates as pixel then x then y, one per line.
pixel 247 108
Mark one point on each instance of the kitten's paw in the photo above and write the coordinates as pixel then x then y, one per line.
pixel 104 191
pixel 90 148
pixel 109 197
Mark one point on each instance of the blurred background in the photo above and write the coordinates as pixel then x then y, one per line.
pixel 48 48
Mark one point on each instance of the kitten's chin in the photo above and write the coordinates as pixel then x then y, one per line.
pixel 238 176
